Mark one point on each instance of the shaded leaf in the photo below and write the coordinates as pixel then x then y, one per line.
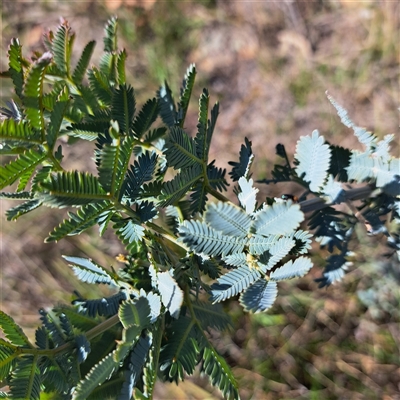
pixel 233 283
pixel 242 167
pixel 291 269
pixel 33 91
pixel 83 63
pixel 145 118
pixel 96 376
pixel 186 92
pixel 12 331
pixel 260 296
pixel 219 373
pixel 15 66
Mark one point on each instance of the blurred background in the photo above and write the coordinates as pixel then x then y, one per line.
pixel 269 65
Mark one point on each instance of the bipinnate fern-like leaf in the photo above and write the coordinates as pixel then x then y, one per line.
pixel 123 107
pixel 173 191
pixel 302 242
pixel 260 296
pixel 121 58
pixel 151 190
pixel 146 211
pixel 219 373
pixel 340 160
pixel 202 143
pixel 49 98
pixel 150 370
pixel 313 157
pixel 154 303
pixel 101 372
pixel 203 239
pixel 278 251
pixel 15 66
pixel 186 93
pixel 233 283
pixel 211 315
pixel 24 179
pixel 106 306
pixel 242 167
pixel 100 85
pixel 366 166
pixel 78 320
pixel 361 166
pixel 333 190
pixel 130 336
pixel 334 270
pixel 89 272
pixel 137 360
pixel 211 122
pixel 57 116
pixel 17 168
pixel 198 198
pixel 108 159
pixel 171 293
pixel 145 118
pixel 135 313
pixel 86 217
pixel 66 326
pixel 209 267
pixel 61 47
pixel 129 233
pixel 91 127
pixel 216 177
pixel 16 196
pixel 18 132
pixel 110 35
pixel 140 172
pixel 228 219
pixel 292 269
pixel 82 346
pixel 328 227
pixel 23 208
pixel 180 353
pixel 25 379
pixel 12 331
pixel 108 66
pixel 154 135
pixel 72 189
pixel 11 111
pixel 279 219
pixel 258 244
pixel 7 359
pixel 168 112
pixel 57 374
pixel 83 63
pixel 236 259
pixel 364 137
pixel 180 149
pixel 33 91
pixel 50 323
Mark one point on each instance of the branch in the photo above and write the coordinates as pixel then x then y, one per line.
pixel 350 195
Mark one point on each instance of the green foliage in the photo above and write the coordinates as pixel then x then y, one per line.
pixel 188 246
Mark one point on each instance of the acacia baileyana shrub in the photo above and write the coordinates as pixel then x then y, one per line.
pixel 188 248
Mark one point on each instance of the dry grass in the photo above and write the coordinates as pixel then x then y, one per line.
pixel 269 64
